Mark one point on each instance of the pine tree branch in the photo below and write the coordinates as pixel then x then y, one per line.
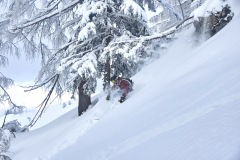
pixel 169 7
pixel 44 17
pixel 163 34
pixel 27 7
pixel 94 49
pixel 184 22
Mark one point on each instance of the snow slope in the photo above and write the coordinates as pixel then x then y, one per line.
pixel 185 106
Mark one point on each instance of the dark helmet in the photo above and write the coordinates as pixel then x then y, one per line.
pixel 113 78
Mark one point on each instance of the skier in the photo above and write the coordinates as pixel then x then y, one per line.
pixel 124 84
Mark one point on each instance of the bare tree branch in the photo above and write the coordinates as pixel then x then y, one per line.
pixel 39 85
pixel 5 118
pixel 181 9
pixel 44 102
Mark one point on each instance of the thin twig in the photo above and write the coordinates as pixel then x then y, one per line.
pixel 44 103
pixel 39 85
pixel 5 118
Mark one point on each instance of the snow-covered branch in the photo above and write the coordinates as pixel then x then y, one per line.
pixel 171 9
pixel 51 13
pixel 4 81
pixel 157 35
pixel 3 60
pixel 40 85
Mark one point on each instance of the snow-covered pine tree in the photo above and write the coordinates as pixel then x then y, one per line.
pixel 6 49
pixel 127 54
pixel 18 41
pixel 102 23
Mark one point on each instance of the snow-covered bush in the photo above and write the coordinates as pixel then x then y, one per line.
pixel 4 140
pixel 221 19
pixel 16 110
pixel 14 126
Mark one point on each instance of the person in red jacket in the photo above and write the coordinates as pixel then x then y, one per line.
pixel 124 84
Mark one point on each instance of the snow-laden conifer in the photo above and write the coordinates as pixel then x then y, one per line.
pixel 101 24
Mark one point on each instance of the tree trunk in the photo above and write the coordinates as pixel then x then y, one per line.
pixel 181 9
pixel 107 75
pixel 84 100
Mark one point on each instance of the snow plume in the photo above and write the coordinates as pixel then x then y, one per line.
pixel 129 7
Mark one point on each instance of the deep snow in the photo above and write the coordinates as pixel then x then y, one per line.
pixel 185 106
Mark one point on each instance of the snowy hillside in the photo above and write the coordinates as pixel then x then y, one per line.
pixel 185 106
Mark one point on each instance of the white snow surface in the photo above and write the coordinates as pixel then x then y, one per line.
pixel 185 106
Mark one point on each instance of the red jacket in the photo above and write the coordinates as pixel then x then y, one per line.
pixel 123 84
